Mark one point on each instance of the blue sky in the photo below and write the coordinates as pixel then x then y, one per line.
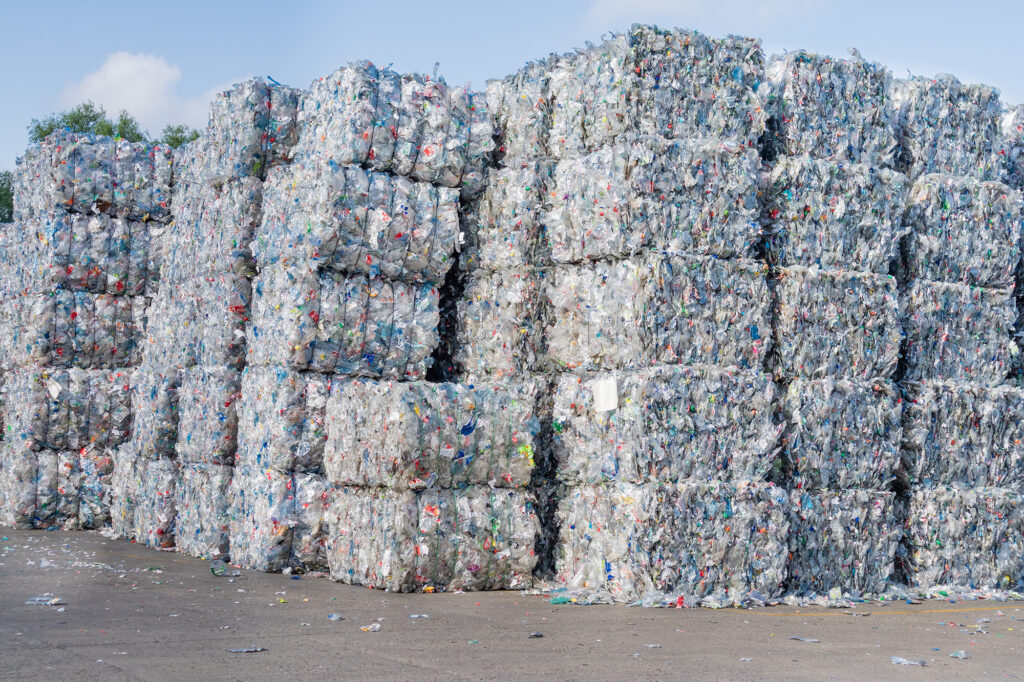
pixel 163 61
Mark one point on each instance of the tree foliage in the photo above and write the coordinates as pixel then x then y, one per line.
pixel 6 196
pixel 175 136
pixel 90 118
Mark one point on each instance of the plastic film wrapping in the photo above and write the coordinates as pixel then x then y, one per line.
pixel 965 231
pixel 842 434
pixel 964 435
pixel 354 325
pixel 959 333
pixel 846 540
pixel 474 538
pixel 664 424
pixel 836 324
pixel 351 220
pixel 418 434
pixel 966 538
pixel 833 108
pixel 834 216
pixel 949 127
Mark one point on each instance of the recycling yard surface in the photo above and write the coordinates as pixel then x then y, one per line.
pixel 124 612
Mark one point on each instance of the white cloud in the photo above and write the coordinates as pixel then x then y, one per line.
pixel 608 12
pixel 143 85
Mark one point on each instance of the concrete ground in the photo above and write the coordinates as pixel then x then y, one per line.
pixel 131 613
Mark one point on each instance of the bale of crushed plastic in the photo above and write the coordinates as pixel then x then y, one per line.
pixel 842 434
pixel 156 414
pixel 473 538
pixel 73 489
pixel 690 85
pixel 420 435
pixel 201 502
pixel 842 539
pixel 667 424
pixel 504 229
pixel 679 196
pixel 207 415
pixel 829 108
pixel 173 326
pixel 965 231
pixel 281 419
pixel 499 324
pixel 837 324
pixel 519 111
pixel 964 434
pixel 834 216
pixel 125 487
pixel 349 219
pixel 307 320
pixel 261 517
pixel 709 543
pixel 1012 147
pixel 949 127
pixel 966 538
pixel 405 124
pixel 156 510
pixel 92 174
pixel 961 333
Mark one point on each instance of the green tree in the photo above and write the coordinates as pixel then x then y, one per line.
pixel 88 118
pixel 6 196
pixel 175 136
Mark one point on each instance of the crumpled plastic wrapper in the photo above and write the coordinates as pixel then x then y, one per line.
pixel 834 216
pixel 352 220
pixel 208 418
pixel 702 542
pixel 840 109
pixel 78 329
pixel 966 538
pixel 212 229
pixel 837 324
pixel 949 127
pixel 842 539
pixel 959 333
pixel 419 435
pixel 842 434
pixel 652 310
pixel 91 174
pixel 252 127
pixel 201 501
pixel 281 418
pixel 99 254
pixel 499 324
pixel 679 196
pixel 405 124
pixel 73 489
pixel 964 435
pixel 474 538
pixel 964 231
pixel 276 520
pixel 664 424
pixel 60 409
pixel 353 325
pixel 156 509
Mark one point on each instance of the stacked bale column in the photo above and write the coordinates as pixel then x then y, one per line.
pixel 962 447
pixel 834 208
pixel 79 269
pixel 176 471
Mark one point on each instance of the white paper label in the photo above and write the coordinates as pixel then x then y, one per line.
pixel 54 388
pixel 606 394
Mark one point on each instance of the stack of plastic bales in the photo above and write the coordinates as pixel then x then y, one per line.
pixel 174 475
pixel 613 255
pixel 357 238
pixel 962 441
pixel 78 270
pixel 834 210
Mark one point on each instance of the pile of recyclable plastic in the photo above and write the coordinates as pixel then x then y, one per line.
pixel 966 538
pixel 842 434
pixel 667 424
pixel 836 323
pixel 834 216
pixel 1012 148
pixel 965 231
pixel 846 539
pixel 831 108
pixel 965 435
pixel 949 127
